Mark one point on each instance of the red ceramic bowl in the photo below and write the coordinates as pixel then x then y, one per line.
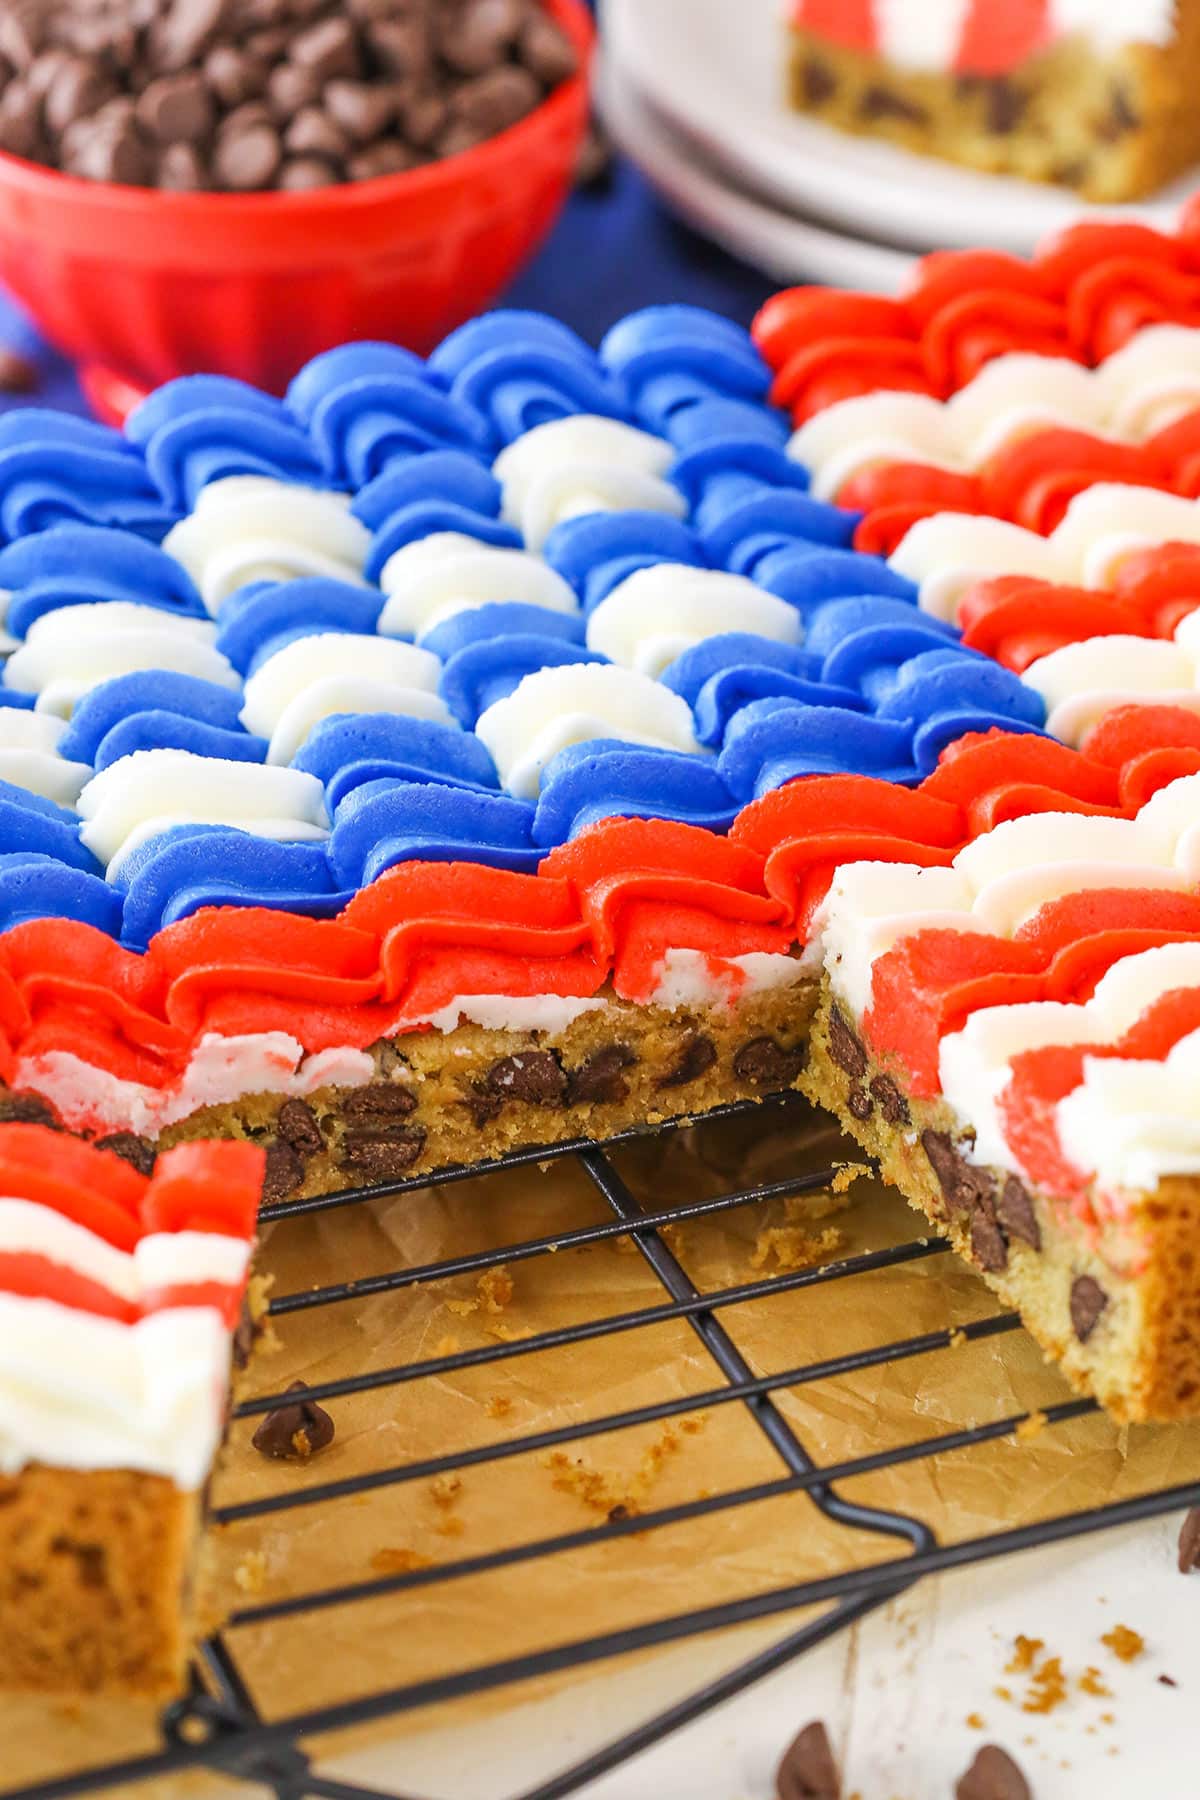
pixel 139 286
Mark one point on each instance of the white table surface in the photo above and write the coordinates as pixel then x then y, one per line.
pixel 895 1693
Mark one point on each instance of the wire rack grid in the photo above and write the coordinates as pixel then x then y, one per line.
pixel 218 1726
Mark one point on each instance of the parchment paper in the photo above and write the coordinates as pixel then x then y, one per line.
pixel 332 1655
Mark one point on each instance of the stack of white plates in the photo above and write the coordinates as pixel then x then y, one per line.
pixel 693 90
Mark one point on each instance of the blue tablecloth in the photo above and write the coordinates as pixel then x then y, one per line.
pixel 615 248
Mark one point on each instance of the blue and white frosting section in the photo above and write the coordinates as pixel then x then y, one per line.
pixel 261 650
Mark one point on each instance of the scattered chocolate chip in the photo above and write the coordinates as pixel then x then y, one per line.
pixel 296 1123
pixel 377 1101
pixel 964 1184
pixel 1167 1681
pixel 1189 1543
pixel 534 1076
pixel 807 1770
pixel 697 1054
pixel 1088 1301
pixel 600 1080
pixel 988 1244
pixel 993 1776
pixel 845 1048
pixel 881 103
pixel 766 1062
pixel 17 374
pixel 26 1109
pixel 131 1149
pixel 617 1514
pixel 284 1172
pixel 1005 106
pixel 818 83
pixel 859 1103
pixel 1014 1209
pixel 891 1101
pixel 381 1152
pixel 297 1431
pixel 244 1337
pixel 1120 119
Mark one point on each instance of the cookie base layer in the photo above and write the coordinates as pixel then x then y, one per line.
pixel 1131 1338
pixel 96 1581
pixel 1112 127
pixel 471 1094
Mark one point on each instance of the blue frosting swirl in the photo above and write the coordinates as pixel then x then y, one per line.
pixel 366 405
pixel 597 551
pixel 55 469
pixel 261 618
pixel 605 779
pixel 385 822
pixel 348 750
pixel 201 428
pixel 671 358
pixel 72 563
pixel 190 866
pixel 36 885
pixel 522 369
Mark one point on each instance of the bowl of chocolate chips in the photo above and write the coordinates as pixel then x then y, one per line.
pixel 235 185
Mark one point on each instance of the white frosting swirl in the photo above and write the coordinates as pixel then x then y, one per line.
pixel 144 794
pixel 1133 1122
pixel 583 464
pixel 659 612
pixel 331 672
pixel 253 528
pixel 76 648
pixel 430 580
pixel 29 756
pixel 553 708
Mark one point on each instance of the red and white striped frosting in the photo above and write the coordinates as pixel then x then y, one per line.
pixel 981 37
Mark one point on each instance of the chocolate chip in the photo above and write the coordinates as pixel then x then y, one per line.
pixel 181 169
pixel 233 76
pixel 1189 1543
pixel 381 1152
pixel 23 29
pixel 131 1149
pixel 388 158
pixel 845 1049
pixel 361 110
pixel 766 1062
pixel 248 158
pixel 244 1337
pixel 402 47
pixel 378 1101
pixel 892 1103
pixel 297 1431
pixel 808 1771
pixel 26 1109
pixel 491 103
pixel 599 1081
pixel 1088 1301
pixel 290 87
pixel 457 137
pixel 1120 119
pixel 186 31
pixel 988 1245
pixel 300 173
pixel 176 109
pixel 530 1075
pixel 818 83
pixel 110 153
pixel 594 162
pixel 20 120
pixel 78 88
pixel 478 35
pixel 1014 1208
pixel 328 49
pixel 697 1054
pixel 424 117
pixel 546 50
pixel 881 103
pixel 270 45
pixel 296 1123
pixel 859 1104
pixel 964 1184
pixel 993 1776
pixel 17 374
pixel 1167 1681
pixel 284 1172
pixel 313 133
pixel 1005 106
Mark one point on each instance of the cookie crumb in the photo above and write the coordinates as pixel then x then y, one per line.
pixel 251 1573
pixel 791 1247
pixel 495 1289
pixel 399 1562
pixel 1125 1644
pixel 1031 1427
pixel 498 1406
pixel 1092 1682
pixel 447 1346
pixel 1025 1654
pixel 976 1722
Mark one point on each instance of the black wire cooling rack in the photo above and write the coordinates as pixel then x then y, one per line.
pixel 219 1727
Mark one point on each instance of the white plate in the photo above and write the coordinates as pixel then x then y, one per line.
pixel 785 247
pixel 715 70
